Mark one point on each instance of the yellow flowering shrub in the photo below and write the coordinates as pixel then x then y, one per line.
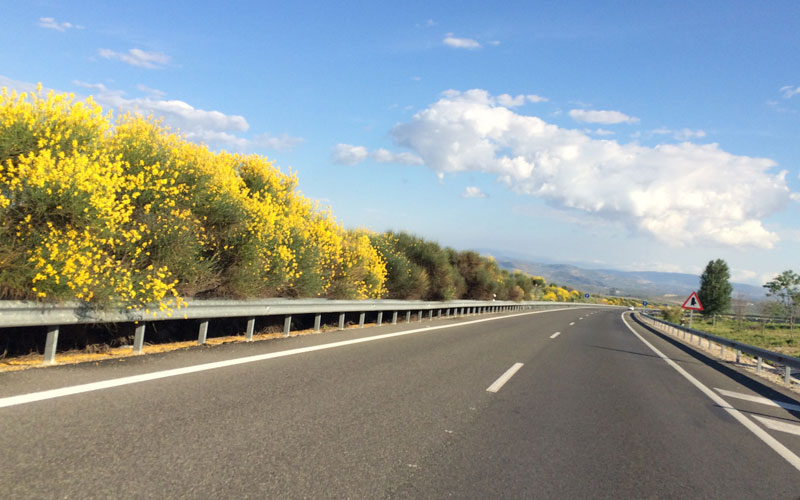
pixel 127 212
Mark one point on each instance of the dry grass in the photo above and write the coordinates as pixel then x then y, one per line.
pixel 728 355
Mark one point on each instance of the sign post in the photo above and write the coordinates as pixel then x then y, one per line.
pixel 692 303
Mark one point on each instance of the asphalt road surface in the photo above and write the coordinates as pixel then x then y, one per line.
pixel 562 404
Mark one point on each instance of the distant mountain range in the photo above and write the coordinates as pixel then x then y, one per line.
pixel 653 286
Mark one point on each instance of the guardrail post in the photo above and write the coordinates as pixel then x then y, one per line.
pixel 251 325
pixel 317 321
pixel 50 345
pixel 786 374
pixel 439 314
pixel 138 339
pixel 341 321
pixel 202 332
pixel 455 312
pixel 287 325
pixel 394 317
pixel 361 320
pixel 419 316
pixel 738 356
pixel 758 365
pixel 722 351
pixel 380 318
pixel 430 314
pixel 408 316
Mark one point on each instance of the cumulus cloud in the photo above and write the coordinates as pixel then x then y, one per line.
pixel 681 194
pixel 473 192
pixel 51 23
pixel 137 57
pixel 598 116
pixel 213 128
pixel 347 154
pixel 789 91
pixel 460 43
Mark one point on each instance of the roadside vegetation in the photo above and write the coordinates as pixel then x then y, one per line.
pixel 124 211
pixel 725 316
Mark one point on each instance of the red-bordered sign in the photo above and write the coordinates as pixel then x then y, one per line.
pixel 693 303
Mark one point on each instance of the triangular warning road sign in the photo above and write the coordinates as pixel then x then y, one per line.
pixel 693 303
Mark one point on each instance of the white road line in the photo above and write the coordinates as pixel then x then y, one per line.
pixel 555 335
pixel 778 425
pixel 773 443
pixel 572 323
pixel 580 319
pixel 135 379
pixel 504 378
pixel 758 399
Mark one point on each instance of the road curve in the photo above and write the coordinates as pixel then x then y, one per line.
pixel 558 404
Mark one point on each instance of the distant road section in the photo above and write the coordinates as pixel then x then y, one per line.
pixel 564 404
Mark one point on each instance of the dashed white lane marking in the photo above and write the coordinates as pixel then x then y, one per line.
pixel 580 319
pixel 555 335
pixel 758 399
pixel 763 435
pixel 135 379
pixel 572 323
pixel 504 378
pixel 779 425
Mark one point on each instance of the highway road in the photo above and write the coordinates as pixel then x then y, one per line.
pixel 561 404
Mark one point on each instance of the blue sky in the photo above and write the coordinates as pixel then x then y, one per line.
pixel 625 135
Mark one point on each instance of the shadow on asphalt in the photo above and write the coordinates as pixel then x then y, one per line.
pixel 723 368
pixel 627 352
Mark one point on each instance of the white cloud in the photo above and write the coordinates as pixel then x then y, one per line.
pixel 150 91
pixel 789 91
pixel 683 134
pixel 536 98
pixel 494 43
pixel 604 117
pixel 473 192
pixel 279 143
pixel 385 156
pixel 213 128
pixel 743 276
pixel 602 131
pixel 510 101
pixel 460 43
pixel 51 23
pixel 13 85
pixel 681 194
pixel 347 154
pixel 137 57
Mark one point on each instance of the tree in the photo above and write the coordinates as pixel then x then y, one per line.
pixel 786 287
pixel 715 289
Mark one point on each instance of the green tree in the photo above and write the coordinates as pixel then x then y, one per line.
pixel 715 289
pixel 786 287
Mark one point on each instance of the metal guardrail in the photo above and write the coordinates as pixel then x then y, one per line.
pixel 52 316
pixel 788 362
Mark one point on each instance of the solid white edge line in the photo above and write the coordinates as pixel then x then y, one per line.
pixel 773 443
pixel 504 378
pixel 555 335
pixel 778 425
pixel 758 399
pixel 135 379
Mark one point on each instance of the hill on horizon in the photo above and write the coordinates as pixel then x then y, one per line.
pixel 651 285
